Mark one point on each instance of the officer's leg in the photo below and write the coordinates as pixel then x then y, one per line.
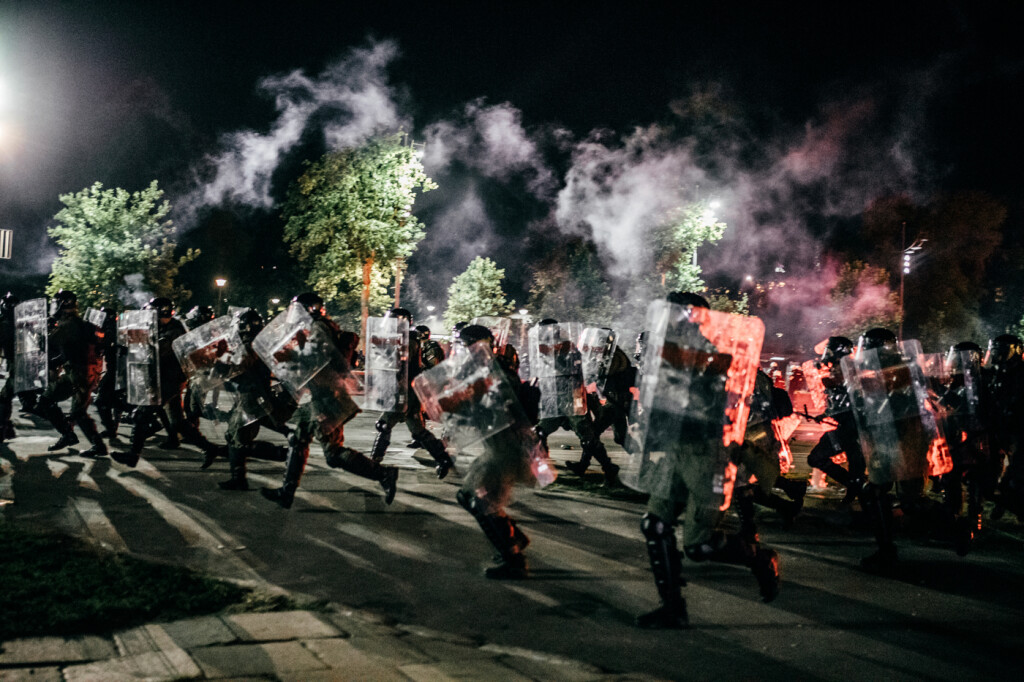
pixel 239 437
pixel 384 424
pixel 185 429
pixel 428 441
pixel 593 448
pixel 295 464
pixel 6 410
pixel 80 416
pixel 339 456
pixel 666 565
pixel 48 408
pixel 877 504
pixel 502 533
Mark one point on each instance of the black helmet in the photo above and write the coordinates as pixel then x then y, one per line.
pixel 249 323
pixel 62 301
pixel 312 302
pixel 402 313
pixel 7 304
pixel 687 298
pixel 109 320
pixel 836 348
pixel 473 333
pixel 958 353
pixel 878 337
pixel 546 321
pixel 163 306
pixel 1002 349
pixel 424 331
pixel 458 327
pixel 199 315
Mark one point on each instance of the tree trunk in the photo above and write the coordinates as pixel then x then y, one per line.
pixel 365 299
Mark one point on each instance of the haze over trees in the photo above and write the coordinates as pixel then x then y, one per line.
pixel 349 222
pixel 115 247
pixel 477 292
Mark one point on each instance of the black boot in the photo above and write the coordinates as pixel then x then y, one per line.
pixel 99 448
pixel 52 413
pixel 381 442
pixel 500 531
pixel 743 497
pixel 293 468
pixel 440 454
pixel 666 565
pixel 236 462
pixel 878 505
pixel 763 562
pixel 597 451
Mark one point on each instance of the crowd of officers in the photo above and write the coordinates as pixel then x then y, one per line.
pixel 980 400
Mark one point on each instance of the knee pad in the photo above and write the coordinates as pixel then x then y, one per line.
pixel 382 425
pixel 705 550
pixel 653 527
pixel 469 502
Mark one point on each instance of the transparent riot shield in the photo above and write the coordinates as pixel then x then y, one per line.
pixel 469 396
pixel 236 309
pixel 210 354
pixel 597 346
pixel 137 331
pixel 900 435
pixel 96 318
pixel 303 356
pixel 700 371
pixel 499 326
pixel 387 364
pixel 556 365
pixel 31 363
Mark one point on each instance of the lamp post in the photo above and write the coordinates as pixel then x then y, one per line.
pixel 907 252
pixel 221 285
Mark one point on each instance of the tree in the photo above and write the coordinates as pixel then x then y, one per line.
pixel 354 206
pixel 477 292
pixel 570 285
pixel 676 241
pixel 113 244
pixel 862 299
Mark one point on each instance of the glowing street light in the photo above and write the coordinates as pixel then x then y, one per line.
pixel 221 284
pixel 524 312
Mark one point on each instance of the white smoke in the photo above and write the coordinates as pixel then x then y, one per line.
pixel 348 102
pixel 617 192
pixel 491 140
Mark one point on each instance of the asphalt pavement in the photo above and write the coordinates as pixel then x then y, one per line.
pixel 416 567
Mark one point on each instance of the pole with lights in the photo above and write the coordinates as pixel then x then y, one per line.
pixel 221 284
pixel 907 254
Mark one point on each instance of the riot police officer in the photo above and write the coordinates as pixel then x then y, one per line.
pixel 252 387
pixel 487 486
pixel 844 438
pixel 75 367
pixel 172 383
pixel 1003 381
pixel 332 440
pixel 7 304
pixel 412 415
pixel 110 401
pixel 694 460
pixel 582 425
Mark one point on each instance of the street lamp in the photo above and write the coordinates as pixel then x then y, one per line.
pixel 221 284
pixel 908 252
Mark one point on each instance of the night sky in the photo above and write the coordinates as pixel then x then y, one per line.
pixel 541 123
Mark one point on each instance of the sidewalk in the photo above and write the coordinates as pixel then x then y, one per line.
pixel 294 646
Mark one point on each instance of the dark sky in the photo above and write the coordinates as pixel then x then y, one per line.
pixel 796 113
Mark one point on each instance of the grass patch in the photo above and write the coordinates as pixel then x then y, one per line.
pixel 58 585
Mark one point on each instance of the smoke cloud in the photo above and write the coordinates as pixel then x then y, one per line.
pixel 347 103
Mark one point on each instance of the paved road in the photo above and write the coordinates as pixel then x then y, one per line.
pixel 420 561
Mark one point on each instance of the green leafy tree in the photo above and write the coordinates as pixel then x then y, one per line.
pixel 108 238
pixel 353 207
pixel 570 285
pixel 476 292
pixel 723 300
pixel 676 241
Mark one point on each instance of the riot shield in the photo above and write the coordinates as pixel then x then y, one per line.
pixel 137 331
pixel 556 365
pixel 387 364
pixel 700 370
pixel 499 327
pixel 96 318
pixel 469 395
pixel 303 356
pixel 31 361
pixel 597 346
pixel 900 435
pixel 210 354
